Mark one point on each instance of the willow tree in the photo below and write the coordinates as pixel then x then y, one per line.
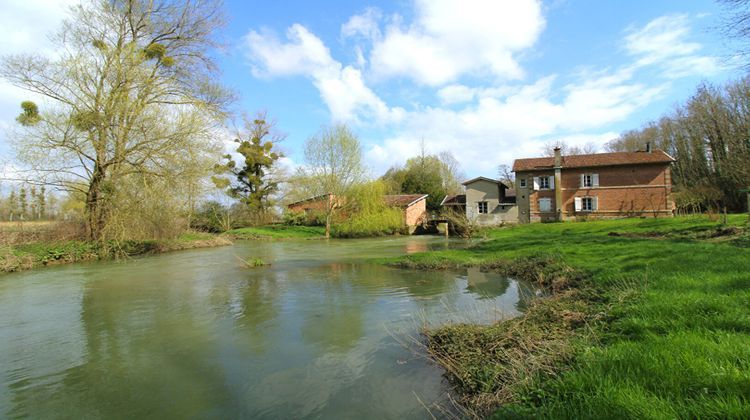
pixel 129 91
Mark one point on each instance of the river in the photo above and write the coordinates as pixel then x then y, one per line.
pixel 318 333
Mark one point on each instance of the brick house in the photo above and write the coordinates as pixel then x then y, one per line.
pixel 413 206
pixel 602 185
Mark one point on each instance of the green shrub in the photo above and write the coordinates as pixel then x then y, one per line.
pixel 294 218
pixel 387 221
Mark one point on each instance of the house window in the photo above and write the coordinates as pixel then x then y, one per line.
pixel 545 205
pixel 482 207
pixel 544 183
pixel 589 180
pixel 586 204
pixel 522 182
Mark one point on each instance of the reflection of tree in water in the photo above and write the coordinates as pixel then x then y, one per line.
pixel 337 320
pixel 259 305
pixel 486 285
pixel 145 356
pixel 416 283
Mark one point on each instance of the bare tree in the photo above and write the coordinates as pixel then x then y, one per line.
pixel 334 166
pixel 567 149
pixel 505 174
pixel 708 136
pixel 736 26
pixel 132 87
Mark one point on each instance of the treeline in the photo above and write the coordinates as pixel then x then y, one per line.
pixel 709 136
pixel 29 202
pixel 435 174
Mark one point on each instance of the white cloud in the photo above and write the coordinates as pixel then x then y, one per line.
pixel 483 124
pixel 449 39
pixel 365 25
pixel 502 126
pixel 664 42
pixel 342 88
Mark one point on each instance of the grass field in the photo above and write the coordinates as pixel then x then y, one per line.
pixel 278 232
pixel 677 346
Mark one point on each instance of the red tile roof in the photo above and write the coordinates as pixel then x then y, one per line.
pixel 403 200
pixel 598 159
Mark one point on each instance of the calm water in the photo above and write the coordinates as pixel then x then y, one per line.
pixel 193 334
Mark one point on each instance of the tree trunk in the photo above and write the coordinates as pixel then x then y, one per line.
pixel 96 217
pixel 328 224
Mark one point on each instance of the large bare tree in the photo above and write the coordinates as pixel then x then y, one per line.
pixel 130 90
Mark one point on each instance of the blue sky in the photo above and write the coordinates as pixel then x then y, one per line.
pixel 486 80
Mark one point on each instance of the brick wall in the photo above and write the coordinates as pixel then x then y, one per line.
pixel 623 191
pixel 415 213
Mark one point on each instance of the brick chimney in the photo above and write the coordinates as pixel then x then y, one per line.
pixel 558 157
pixel 558 187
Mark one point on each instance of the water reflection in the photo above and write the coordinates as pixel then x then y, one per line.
pixel 193 334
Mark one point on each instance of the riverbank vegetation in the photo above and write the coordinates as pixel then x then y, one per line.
pixel 18 253
pixel 640 318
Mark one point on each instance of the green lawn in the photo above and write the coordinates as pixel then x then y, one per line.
pixel 679 348
pixel 278 232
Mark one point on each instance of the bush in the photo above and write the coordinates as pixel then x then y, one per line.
pixel 387 221
pixel 294 218
pixel 212 217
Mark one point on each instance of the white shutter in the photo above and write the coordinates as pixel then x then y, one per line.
pixel 552 182
pixel 583 180
pixel 595 180
pixel 579 204
pixel 536 183
pixel 594 203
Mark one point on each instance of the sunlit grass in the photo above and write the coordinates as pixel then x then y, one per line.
pixel 679 349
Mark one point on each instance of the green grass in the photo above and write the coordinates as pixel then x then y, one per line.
pixel 278 232
pixel 679 348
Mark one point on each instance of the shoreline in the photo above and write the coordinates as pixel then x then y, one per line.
pixel 26 257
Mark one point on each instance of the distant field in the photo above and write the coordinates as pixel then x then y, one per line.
pixel 18 226
pixel 25 232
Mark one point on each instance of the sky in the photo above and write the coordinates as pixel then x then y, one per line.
pixel 488 80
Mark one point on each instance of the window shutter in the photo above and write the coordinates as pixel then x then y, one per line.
pixel 579 204
pixel 594 203
pixel 583 180
pixel 536 183
pixel 595 180
pixel 552 182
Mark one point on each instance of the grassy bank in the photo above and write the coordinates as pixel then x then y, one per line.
pixel 655 322
pixel 31 255
pixel 277 232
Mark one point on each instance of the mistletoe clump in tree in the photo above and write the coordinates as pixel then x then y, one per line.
pixel 254 181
